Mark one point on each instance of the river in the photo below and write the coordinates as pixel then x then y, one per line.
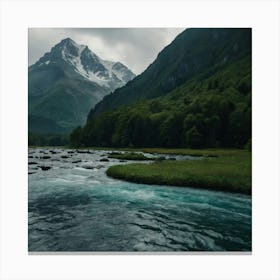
pixel 75 207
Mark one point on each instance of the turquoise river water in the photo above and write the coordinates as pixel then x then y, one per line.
pixel 75 207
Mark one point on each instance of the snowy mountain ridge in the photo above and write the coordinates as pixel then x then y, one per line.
pixel 86 63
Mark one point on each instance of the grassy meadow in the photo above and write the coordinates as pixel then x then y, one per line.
pixel 225 170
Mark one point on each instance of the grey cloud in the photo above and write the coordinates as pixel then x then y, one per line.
pixel 134 47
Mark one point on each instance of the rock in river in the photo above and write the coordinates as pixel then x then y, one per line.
pixel 64 156
pixel 83 152
pixel 88 166
pixel 76 161
pixel 45 157
pixel 45 168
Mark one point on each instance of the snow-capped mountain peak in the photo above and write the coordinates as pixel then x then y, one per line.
pixel 87 64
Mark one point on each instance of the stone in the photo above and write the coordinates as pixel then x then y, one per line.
pixel 45 157
pixel 45 168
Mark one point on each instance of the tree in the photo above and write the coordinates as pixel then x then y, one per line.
pixel 193 138
pixel 75 137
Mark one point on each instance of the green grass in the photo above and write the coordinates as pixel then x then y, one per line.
pixel 129 156
pixel 190 152
pixel 230 171
pixel 195 152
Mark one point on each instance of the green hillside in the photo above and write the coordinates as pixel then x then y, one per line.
pixel 66 102
pixel 209 110
pixel 42 125
pixel 194 52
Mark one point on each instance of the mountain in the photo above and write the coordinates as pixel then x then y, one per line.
pixel 196 94
pixel 65 83
pixel 194 51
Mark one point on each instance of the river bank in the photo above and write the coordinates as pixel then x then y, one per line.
pixel 217 169
pixel 225 170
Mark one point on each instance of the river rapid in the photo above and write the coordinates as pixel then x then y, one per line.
pixel 74 207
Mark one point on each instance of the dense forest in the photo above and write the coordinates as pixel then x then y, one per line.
pixel 213 109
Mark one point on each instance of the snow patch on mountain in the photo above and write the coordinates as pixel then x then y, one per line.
pixel 86 63
pixel 74 59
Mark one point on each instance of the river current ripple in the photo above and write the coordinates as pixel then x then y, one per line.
pixel 75 207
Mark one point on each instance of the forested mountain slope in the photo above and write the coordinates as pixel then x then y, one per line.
pixel 195 51
pixel 203 112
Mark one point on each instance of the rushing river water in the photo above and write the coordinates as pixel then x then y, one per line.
pixel 74 206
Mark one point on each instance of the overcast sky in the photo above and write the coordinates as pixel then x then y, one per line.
pixel 134 47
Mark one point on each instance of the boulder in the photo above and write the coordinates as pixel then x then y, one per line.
pixel 64 156
pixel 76 161
pixel 45 157
pixel 87 166
pixel 45 168
pixel 83 152
pixel 104 159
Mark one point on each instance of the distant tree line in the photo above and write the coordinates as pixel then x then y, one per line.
pixel 35 139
